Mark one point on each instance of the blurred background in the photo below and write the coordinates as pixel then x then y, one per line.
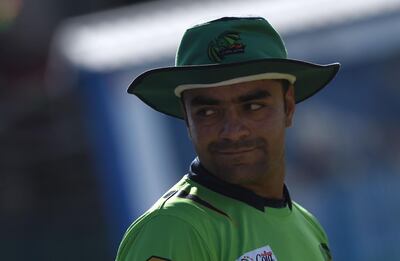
pixel 80 159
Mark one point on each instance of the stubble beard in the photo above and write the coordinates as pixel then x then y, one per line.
pixel 239 173
pixel 243 169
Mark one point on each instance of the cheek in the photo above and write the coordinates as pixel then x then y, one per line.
pixel 200 136
pixel 270 121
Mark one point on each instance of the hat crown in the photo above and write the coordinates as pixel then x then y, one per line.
pixel 230 40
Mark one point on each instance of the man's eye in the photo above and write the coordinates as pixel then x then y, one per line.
pixel 254 106
pixel 206 112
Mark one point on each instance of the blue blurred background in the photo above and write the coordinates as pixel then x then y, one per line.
pixel 80 159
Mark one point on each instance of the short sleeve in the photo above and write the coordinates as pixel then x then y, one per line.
pixel 163 237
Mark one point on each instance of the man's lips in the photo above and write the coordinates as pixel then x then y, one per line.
pixel 234 152
pixel 226 148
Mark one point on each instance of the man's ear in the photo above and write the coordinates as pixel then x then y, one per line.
pixel 290 105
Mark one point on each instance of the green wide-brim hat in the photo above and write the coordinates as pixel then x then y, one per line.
pixel 227 51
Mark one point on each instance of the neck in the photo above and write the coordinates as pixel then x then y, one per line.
pixel 272 187
pixel 247 194
pixel 264 181
pixel 268 184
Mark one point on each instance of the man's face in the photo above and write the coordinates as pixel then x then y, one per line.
pixel 239 130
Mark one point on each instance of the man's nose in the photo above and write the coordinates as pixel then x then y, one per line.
pixel 234 127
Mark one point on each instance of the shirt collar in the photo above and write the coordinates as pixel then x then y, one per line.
pixel 202 176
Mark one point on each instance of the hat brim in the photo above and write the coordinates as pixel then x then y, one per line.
pixel 156 87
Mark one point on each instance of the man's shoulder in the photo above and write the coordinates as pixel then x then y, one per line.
pixel 304 213
pixel 310 220
pixel 181 203
pixel 173 219
pixel 161 234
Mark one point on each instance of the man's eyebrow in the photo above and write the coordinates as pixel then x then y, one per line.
pixel 258 94
pixel 203 100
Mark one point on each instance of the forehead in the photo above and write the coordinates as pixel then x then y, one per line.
pixel 234 91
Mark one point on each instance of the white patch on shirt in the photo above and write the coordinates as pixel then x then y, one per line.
pixel 260 254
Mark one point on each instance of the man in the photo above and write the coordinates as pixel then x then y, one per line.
pixel 236 90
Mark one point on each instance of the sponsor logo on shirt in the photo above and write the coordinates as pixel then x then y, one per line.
pixel 260 254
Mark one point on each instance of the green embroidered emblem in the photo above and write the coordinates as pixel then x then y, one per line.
pixel 226 43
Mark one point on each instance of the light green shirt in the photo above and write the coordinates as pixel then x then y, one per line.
pixel 202 218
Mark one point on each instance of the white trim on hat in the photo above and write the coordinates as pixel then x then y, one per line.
pixel 263 76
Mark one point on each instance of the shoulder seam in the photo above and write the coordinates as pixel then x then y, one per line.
pixel 186 195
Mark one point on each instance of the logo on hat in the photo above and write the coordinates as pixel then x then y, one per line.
pixel 226 43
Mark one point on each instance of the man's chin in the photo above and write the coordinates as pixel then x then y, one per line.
pixel 240 175
pixel 240 169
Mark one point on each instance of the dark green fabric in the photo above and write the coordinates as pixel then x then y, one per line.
pixel 222 50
